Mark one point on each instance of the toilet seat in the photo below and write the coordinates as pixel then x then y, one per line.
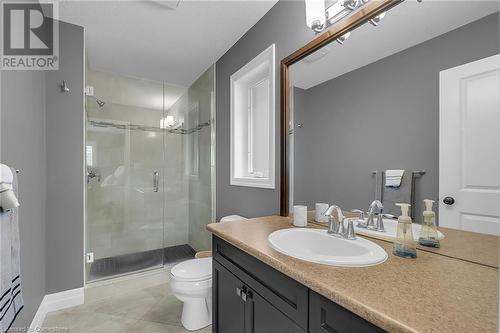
pixel 193 270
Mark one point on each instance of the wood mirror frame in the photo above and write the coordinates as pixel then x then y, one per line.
pixel 360 17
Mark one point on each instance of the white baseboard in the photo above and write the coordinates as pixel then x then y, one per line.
pixel 57 301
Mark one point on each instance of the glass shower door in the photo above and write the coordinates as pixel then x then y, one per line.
pixel 125 165
pixel 150 161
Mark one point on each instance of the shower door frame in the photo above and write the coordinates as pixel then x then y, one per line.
pixel 213 136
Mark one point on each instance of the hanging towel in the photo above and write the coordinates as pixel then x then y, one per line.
pixel 393 178
pixel 404 193
pixel 8 199
pixel 11 300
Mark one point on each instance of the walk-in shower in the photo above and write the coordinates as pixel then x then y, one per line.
pixel 148 154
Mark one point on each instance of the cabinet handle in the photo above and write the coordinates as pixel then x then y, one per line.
pixel 246 295
pixel 243 293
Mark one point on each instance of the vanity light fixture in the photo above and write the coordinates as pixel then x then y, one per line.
pixel 315 14
pixel 342 38
pixel 374 21
pixel 318 18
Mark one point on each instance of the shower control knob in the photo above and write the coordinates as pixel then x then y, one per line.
pixel 449 201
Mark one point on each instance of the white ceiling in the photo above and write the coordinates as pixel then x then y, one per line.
pixel 406 25
pixel 146 39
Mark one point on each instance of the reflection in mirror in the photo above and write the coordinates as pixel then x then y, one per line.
pixel 400 111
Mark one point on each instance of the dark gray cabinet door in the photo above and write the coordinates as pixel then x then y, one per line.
pixel 326 316
pixel 228 307
pixel 262 317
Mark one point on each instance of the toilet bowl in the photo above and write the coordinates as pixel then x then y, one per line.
pixel 191 283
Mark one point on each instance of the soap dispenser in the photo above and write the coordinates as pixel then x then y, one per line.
pixel 428 234
pixel 405 244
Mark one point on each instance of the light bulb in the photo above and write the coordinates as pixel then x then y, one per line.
pixel 375 20
pixel 342 38
pixel 315 14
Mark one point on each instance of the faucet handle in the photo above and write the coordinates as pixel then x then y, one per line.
pixel 360 212
pixel 361 218
pixel 350 234
pixel 379 226
pixel 341 228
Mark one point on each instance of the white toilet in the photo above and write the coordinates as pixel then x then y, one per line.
pixel 191 283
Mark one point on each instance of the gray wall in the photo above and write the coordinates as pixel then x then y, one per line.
pixel 65 140
pixel 42 135
pixel 285 26
pixel 393 123
pixel 22 144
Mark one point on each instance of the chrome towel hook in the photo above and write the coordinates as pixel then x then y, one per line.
pixel 64 87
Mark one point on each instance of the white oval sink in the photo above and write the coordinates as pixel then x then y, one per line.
pixel 391 228
pixel 317 246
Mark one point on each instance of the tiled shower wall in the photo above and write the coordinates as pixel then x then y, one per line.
pixel 202 96
pixel 195 108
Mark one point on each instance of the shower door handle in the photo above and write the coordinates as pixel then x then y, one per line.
pixel 156 181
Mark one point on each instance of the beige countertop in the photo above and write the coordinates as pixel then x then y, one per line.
pixel 470 246
pixel 433 293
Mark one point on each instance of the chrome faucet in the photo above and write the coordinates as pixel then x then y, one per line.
pixel 337 227
pixel 371 224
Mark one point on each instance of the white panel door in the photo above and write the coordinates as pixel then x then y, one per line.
pixel 469 146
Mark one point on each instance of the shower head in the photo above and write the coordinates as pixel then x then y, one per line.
pixel 89 92
pixel 100 103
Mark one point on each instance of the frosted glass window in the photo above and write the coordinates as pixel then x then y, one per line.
pixel 89 155
pixel 252 122
pixel 258 126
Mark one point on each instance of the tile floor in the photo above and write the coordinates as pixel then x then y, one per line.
pixel 140 303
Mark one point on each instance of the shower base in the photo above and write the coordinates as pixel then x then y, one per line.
pixel 128 263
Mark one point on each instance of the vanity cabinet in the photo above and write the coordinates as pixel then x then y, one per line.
pixel 240 309
pixel 251 297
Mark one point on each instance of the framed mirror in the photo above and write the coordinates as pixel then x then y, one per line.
pixel 399 102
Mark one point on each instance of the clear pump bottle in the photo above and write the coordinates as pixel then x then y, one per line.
pixel 428 234
pixel 405 245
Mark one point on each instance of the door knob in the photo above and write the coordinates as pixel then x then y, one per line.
pixel 449 201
